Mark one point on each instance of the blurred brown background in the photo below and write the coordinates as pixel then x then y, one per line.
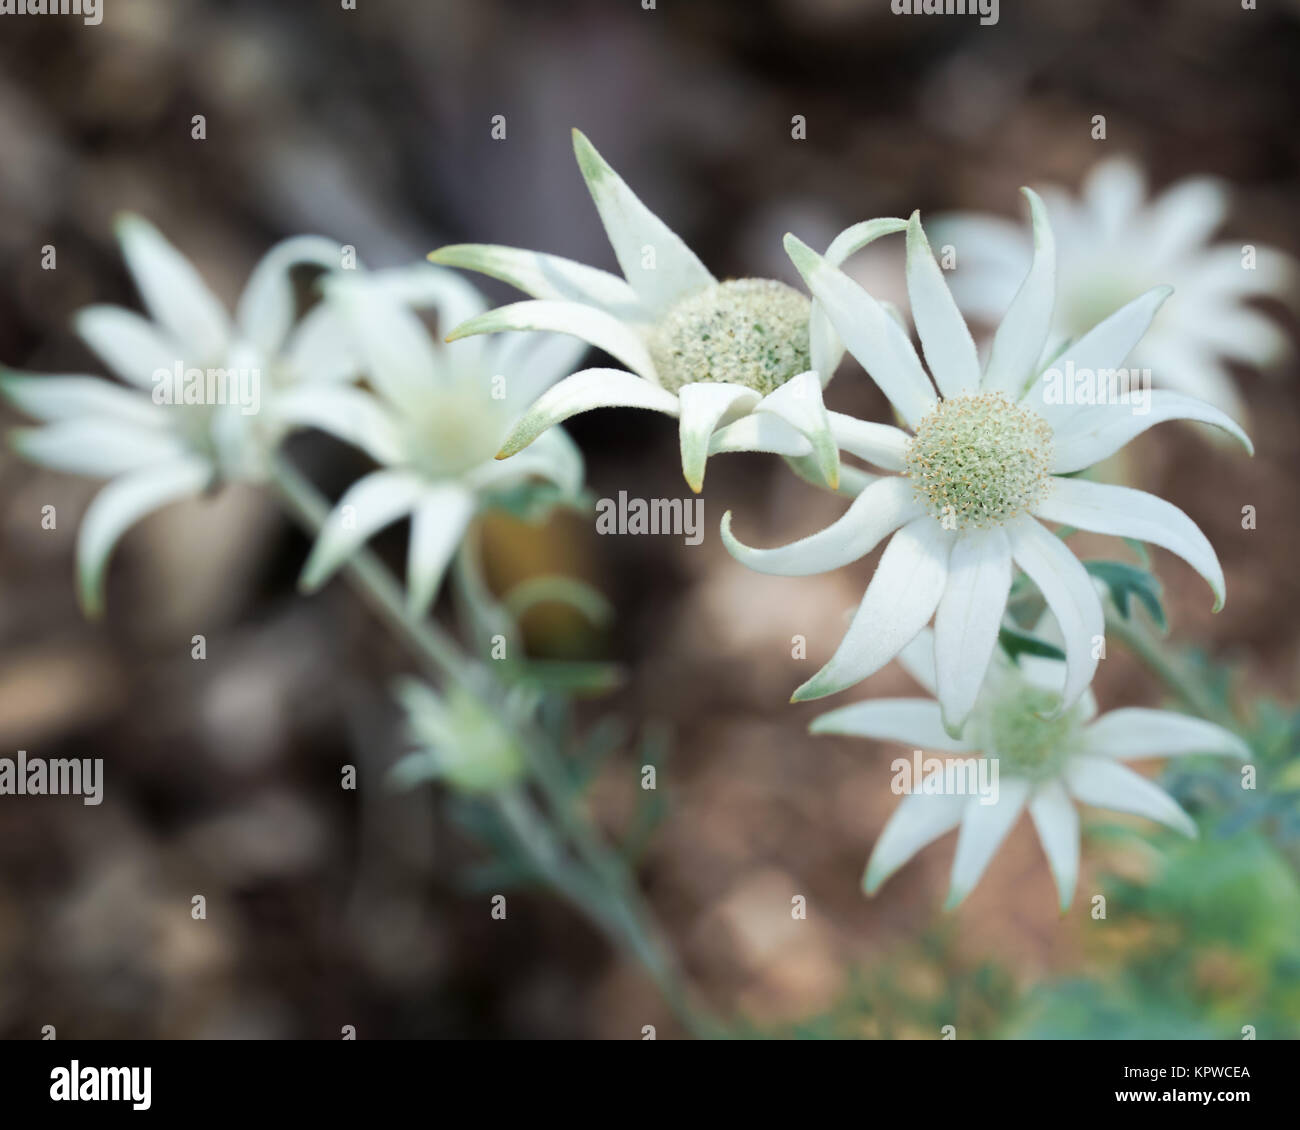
pixel 372 126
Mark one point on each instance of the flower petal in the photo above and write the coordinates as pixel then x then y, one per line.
pixel 877 512
pixel 983 829
pixel 1184 217
pixel 602 330
pixel 882 445
pixel 919 820
pixel 945 338
pixel 1107 784
pixel 320 349
pixel 1127 513
pixel 899 601
pixel 826 349
pixel 552 456
pixel 1113 192
pixel 1019 341
pixel 760 433
pixel 63 398
pixel 368 505
pixel 1139 732
pixel 588 389
pixel 917 659
pixel 99 447
pixel 1102 349
pixel 121 504
pixel 531 363
pixel 799 403
pixel 128 344
pixel 703 405
pixel 437 526
pixel 671 270
pixel 968 618
pixel 266 308
pixel 354 416
pixel 1057 822
pixel 547 276
pixel 1092 434
pixel 909 721
pixel 173 290
pixel 396 352
pixel 869 333
pixel 1069 592
pixel 422 286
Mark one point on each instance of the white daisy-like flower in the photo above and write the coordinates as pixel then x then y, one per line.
pixel 1045 762
pixel 435 420
pixel 741 363
pixel 987 462
pixel 154 445
pixel 1113 244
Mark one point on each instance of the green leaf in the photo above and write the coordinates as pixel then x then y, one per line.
pixel 1017 643
pixel 1140 551
pixel 1125 581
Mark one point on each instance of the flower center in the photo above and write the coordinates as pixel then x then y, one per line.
pixel 451 433
pixel 1025 743
pixel 752 332
pixel 979 460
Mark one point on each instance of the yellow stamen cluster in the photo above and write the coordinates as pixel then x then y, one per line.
pixel 752 332
pixel 979 460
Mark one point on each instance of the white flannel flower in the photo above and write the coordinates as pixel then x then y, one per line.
pixel 435 420
pixel 1114 244
pixel 1045 761
pixel 986 464
pixel 750 353
pixel 458 740
pixel 160 439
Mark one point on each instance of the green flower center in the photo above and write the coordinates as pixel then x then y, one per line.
pixel 979 460
pixel 752 332
pixel 1026 743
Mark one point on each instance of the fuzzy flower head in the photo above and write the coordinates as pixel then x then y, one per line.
pixel 1113 244
pixel 433 419
pixel 741 363
pixel 1046 760
pixel 458 740
pixel 200 399
pixel 983 463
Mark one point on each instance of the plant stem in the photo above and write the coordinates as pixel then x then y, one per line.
pixel 1171 671
pixel 604 889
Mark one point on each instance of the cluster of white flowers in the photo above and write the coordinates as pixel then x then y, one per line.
pixel 984 458
pixel 962 484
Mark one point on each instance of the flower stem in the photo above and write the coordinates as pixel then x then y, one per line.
pixel 1173 672
pixel 601 887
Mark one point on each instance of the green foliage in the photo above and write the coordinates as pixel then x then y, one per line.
pixel 1124 582
pixel 1016 643
pixel 914 993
